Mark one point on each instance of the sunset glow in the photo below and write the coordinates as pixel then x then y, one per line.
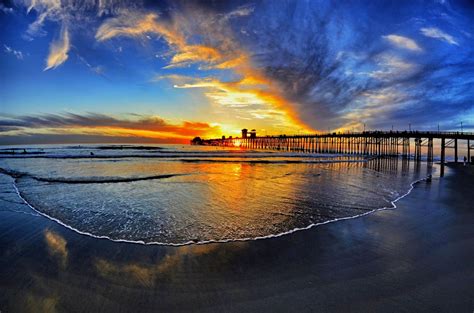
pixel 204 70
pixel 236 156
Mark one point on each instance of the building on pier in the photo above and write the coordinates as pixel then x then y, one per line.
pixel 253 133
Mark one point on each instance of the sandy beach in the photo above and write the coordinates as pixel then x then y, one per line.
pixel 236 156
pixel 416 258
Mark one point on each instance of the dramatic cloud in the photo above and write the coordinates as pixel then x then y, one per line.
pixel 288 66
pixel 135 25
pixel 221 51
pixel 89 124
pixel 436 33
pixel 58 51
pixel 339 73
pixel 403 42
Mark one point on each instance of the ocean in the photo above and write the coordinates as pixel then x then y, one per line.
pixel 180 194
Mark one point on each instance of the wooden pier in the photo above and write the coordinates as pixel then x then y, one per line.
pixel 407 144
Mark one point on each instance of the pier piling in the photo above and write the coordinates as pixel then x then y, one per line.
pixel 376 143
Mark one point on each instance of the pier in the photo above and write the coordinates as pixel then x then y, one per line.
pixel 407 144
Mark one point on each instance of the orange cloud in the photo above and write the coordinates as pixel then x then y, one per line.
pixel 134 25
pixel 99 124
pixel 58 51
pixel 252 87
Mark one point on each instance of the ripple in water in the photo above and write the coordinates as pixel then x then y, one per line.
pixel 171 200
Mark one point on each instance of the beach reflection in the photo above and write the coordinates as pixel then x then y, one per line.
pixel 53 269
pixel 217 200
pixel 57 247
pixel 36 303
pixel 176 260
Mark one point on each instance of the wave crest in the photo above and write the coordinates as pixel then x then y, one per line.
pixel 86 180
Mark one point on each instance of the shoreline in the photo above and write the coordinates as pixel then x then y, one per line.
pixel 418 257
pixel 204 242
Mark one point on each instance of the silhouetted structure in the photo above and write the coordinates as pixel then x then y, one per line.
pixel 253 134
pixel 376 143
pixel 244 133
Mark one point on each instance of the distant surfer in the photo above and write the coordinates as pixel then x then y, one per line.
pixel 92 153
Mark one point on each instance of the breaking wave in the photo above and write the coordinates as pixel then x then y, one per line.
pixel 204 196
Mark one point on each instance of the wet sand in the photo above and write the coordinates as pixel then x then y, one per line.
pixel 416 258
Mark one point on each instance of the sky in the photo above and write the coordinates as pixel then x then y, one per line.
pixel 166 71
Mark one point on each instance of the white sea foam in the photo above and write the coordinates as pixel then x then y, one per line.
pixel 219 196
pixel 393 206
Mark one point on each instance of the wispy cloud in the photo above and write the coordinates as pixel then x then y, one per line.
pixel 71 14
pixel 139 25
pixel 139 125
pixel 58 50
pixel 17 53
pixel 403 42
pixel 239 12
pixel 221 51
pixel 437 33
pixel 297 63
pixel 45 9
pixel 392 67
pixel 99 70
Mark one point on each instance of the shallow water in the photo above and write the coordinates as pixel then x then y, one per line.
pixel 180 194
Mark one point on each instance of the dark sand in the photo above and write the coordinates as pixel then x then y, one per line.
pixel 417 258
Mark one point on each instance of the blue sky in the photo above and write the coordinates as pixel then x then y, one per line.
pixel 111 68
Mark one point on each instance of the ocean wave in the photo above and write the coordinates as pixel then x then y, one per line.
pixel 86 180
pixel 128 147
pixel 177 155
pixel 197 241
pixel 102 180
pixel 271 161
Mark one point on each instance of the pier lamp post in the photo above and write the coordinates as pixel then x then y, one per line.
pixel 461 128
pixel 409 126
pixel 364 127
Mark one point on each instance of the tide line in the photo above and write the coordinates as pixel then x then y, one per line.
pixel 191 242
